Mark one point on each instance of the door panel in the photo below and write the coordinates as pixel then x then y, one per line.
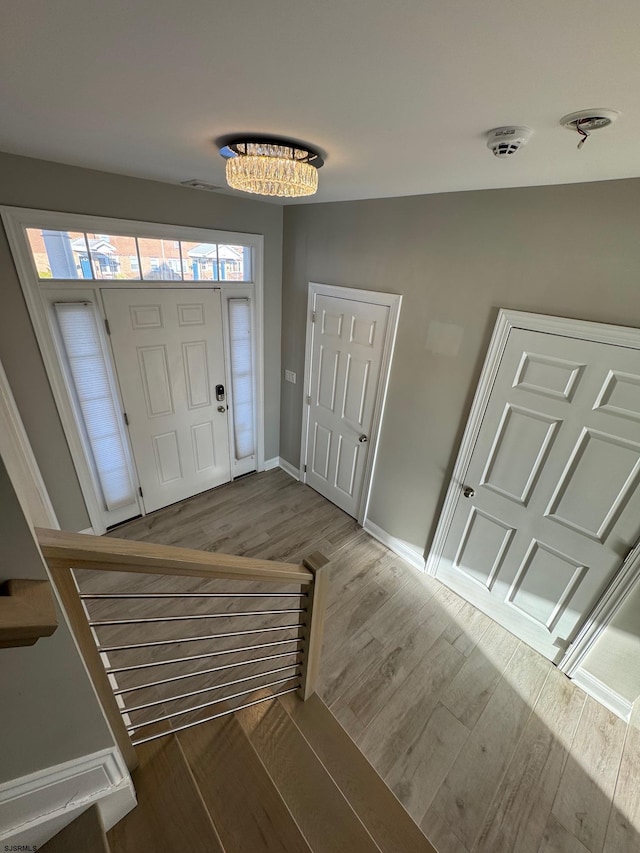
pixel 168 351
pixel 555 474
pixel 346 359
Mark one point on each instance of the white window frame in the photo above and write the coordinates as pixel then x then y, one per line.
pixel 239 467
pixel 17 219
pixel 50 295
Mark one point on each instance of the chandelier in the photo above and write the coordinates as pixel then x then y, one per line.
pixel 276 167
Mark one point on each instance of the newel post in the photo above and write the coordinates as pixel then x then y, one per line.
pixel 314 627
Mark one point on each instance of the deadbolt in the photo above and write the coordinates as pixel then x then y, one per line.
pixel 468 492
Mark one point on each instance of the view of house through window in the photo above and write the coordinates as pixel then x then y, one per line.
pixel 77 255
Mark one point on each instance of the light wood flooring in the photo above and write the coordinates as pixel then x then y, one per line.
pixel 488 747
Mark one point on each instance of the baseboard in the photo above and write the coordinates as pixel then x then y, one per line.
pixel 398 546
pixel 599 691
pixel 270 464
pixel 290 469
pixel 36 807
pixel 88 530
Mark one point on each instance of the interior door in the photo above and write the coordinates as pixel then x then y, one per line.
pixel 169 356
pixel 346 357
pixel 550 505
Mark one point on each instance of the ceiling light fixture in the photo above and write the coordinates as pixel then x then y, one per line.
pixel 275 167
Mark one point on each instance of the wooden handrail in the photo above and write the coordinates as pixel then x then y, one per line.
pixel 27 612
pixel 104 553
pixel 66 551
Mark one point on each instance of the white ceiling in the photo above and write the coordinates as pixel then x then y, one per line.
pixel 398 94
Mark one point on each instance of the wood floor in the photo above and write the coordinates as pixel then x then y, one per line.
pixel 488 747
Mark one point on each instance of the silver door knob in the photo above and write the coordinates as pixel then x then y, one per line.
pixel 222 409
pixel 468 492
pixel 363 438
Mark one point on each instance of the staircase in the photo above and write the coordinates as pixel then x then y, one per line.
pixel 265 768
pixel 281 777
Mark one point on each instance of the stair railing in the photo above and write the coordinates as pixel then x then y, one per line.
pixel 27 612
pixel 290 651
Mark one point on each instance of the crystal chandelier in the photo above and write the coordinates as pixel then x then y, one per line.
pixel 276 167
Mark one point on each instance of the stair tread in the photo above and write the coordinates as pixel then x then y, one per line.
pixel 376 805
pixel 321 811
pixel 85 833
pixel 248 812
pixel 170 815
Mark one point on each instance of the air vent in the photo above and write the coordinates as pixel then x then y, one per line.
pixel 195 184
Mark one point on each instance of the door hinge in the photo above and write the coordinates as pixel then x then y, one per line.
pixel 305 469
pixel 126 418
pixel 140 491
pixel 308 399
pixel 107 327
pixel 313 316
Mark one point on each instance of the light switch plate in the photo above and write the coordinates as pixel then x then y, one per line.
pixel 290 376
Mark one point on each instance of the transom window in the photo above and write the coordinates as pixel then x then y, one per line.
pixel 65 255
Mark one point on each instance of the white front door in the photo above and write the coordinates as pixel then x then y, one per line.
pixel 169 356
pixel 550 505
pixel 348 340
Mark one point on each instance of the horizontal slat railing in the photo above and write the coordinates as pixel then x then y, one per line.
pixel 122 651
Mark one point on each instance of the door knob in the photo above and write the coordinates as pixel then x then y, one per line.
pixel 468 492
pixel 222 409
pixel 363 439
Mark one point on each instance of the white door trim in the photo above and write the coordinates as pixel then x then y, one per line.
pixel 393 301
pixel 16 219
pixel 629 573
pixel 20 462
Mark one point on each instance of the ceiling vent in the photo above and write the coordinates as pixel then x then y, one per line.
pixel 195 184
pixel 507 141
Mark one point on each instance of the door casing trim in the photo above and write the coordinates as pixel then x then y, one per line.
pixel 629 574
pixel 393 301
pixel 15 219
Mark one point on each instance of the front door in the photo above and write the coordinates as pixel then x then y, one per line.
pixel 169 357
pixel 550 504
pixel 348 339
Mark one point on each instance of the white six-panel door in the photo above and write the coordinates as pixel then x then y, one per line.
pixel 346 357
pixel 169 356
pixel 552 501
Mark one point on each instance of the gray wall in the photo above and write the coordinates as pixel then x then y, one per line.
pixel 49 713
pixel 25 182
pixel 565 250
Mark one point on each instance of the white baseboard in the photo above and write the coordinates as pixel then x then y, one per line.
pixel 398 546
pixel 88 530
pixel 35 807
pixel 616 703
pixel 289 469
pixel 270 464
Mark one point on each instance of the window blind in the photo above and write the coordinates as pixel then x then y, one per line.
pixel 88 372
pixel 241 377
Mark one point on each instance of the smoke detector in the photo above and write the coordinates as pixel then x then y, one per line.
pixel 585 122
pixel 506 141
